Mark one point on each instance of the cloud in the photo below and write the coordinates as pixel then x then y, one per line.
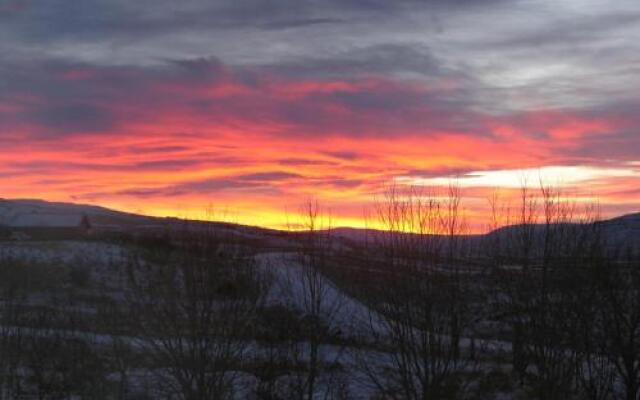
pixel 549 175
pixel 57 99
pixel 375 59
pixel 297 23
pixel 303 161
pixel 72 118
pixel 267 176
pixel 343 155
pixel 258 104
pixel 13 6
pixel 256 182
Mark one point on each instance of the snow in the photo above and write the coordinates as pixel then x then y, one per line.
pixel 288 288
pixel 288 274
pixel 27 213
pixel 38 213
pixel 65 252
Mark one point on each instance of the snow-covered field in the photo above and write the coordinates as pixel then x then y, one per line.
pixel 87 253
pixel 288 288
pixel 43 214
pixel 23 213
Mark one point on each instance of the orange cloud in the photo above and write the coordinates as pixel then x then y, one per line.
pixel 255 148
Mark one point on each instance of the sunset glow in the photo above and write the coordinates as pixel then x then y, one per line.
pixel 247 118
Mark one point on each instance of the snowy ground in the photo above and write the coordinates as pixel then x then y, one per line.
pixel 288 289
pixel 68 252
pixel 23 213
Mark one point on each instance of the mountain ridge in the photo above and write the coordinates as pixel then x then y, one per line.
pixel 39 213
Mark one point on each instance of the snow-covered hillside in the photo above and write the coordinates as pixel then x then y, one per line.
pixel 32 213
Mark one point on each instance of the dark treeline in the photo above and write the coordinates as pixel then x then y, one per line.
pixel 545 308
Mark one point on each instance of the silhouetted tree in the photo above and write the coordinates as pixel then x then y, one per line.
pixel 420 308
pixel 194 312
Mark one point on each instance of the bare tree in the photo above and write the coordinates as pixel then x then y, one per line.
pixel 420 311
pixel 617 326
pixel 547 295
pixel 320 304
pixel 11 336
pixel 120 352
pixel 195 304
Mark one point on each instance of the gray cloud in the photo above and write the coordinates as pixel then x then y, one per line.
pixel 504 55
pixel 380 59
pixel 95 66
pixel 58 98
pixel 71 118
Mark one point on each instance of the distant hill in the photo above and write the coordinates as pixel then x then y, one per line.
pixel 39 213
pixel 23 213
pixel 45 220
pixel 625 230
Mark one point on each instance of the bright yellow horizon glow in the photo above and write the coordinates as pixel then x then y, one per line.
pixel 355 206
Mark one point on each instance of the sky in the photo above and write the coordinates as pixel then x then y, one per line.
pixel 246 110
